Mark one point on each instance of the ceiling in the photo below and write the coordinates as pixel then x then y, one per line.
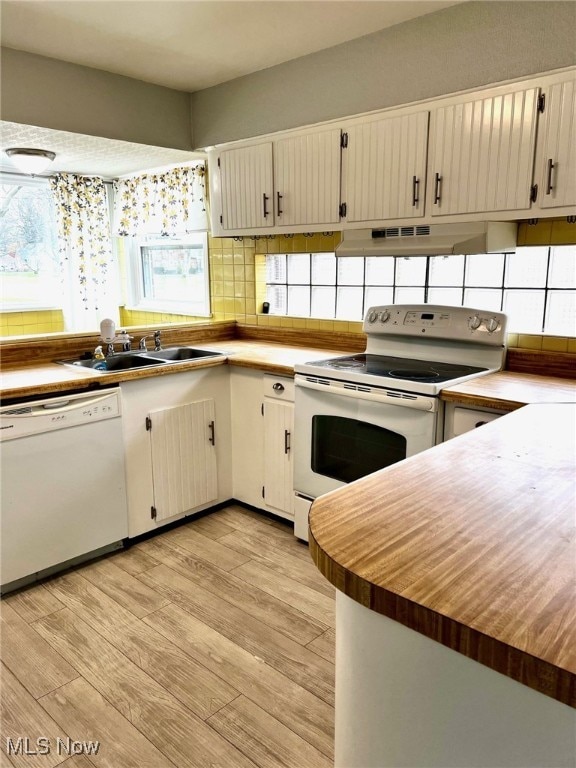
pixel 194 44
pixel 90 155
pixel 182 44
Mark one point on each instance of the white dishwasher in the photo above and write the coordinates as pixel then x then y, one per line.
pixel 63 492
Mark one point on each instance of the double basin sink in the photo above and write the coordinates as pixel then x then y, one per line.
pixel 128 361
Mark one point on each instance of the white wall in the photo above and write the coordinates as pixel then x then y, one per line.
pixel 464 46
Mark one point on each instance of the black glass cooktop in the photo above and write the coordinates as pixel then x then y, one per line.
pixel 426 371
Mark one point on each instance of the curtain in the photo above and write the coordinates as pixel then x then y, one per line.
pixel 87 262
pixel 168 203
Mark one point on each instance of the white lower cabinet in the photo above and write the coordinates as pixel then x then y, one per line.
pixel 278 432
pixel 459 419
pixel 247 397
pixel 262 428
pixel 178 456
pixel 184 468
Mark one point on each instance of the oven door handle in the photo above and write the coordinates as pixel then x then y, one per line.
pixel 419 402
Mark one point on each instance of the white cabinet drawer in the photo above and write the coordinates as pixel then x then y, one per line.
pixel 466 419
pixel 279 387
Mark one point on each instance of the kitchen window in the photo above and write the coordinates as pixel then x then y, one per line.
pixel 29 258
pixel 535 286
pixel 169 274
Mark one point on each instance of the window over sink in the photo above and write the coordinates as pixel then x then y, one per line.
pixel 169 274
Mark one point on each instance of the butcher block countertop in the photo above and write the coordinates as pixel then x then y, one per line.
pixel 471 543
pixel 507 390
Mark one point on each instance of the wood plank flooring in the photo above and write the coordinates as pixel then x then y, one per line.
pixel 208 646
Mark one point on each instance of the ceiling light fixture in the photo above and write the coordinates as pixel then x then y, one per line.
pixel 31 161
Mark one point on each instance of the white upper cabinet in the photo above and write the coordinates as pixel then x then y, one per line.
pixel 307 179
pixel 505 152
pixel 291 182
pixel 556 168
pixel 482 154
pixel 246 184
pixel 384 167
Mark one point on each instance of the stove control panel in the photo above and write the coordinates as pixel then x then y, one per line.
pixel 437 321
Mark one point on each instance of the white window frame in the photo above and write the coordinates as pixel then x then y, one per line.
pixel 137 300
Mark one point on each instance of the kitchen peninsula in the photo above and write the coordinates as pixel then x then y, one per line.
pixel 456 603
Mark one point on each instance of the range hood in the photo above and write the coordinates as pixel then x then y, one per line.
pixel 430 240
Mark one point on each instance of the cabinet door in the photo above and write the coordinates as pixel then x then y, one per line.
pixel 558 157
pixel 246 187
pixel 184 468
pixel 385 165
pixel 278 466
pixel 307 179
pixel 247 435
pixel 483 154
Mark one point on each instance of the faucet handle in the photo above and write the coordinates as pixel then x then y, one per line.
pixel 157 341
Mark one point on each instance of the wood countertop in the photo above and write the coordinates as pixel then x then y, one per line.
pixel 471 543
pixel 39 378
pixel 508 391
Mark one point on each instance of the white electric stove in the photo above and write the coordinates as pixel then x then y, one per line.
pixel 357 414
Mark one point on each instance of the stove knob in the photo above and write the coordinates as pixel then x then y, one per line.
pixel 492 325
pixel 474 322
pixel 372 317
pixel 384 316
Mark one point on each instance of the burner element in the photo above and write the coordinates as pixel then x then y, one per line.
pixel 346 364
pixel 414 375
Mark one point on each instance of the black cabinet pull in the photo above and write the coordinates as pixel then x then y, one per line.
pixel 278 198
pixel 286 441
pixel 437 189
pixel 415 190
pixel 212 438
pixel 549 186
pixel 277 387
pixel 265 198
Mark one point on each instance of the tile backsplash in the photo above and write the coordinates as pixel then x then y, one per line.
pixel 238 286
pixel 28 323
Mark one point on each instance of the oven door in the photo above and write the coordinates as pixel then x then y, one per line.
pixel 343 432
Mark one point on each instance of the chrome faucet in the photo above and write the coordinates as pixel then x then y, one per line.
pixel 157 341
pixel 122 338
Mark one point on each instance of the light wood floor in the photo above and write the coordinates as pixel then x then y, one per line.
pixel 209 645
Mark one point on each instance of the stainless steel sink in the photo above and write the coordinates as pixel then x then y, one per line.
pixel 176 354
pixel 127 361
pixel 121 362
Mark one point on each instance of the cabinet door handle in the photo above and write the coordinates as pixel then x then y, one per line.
pixel 437 189
pixel 265 198
pixel 415 190
pixel 551 167
pixel 212 438
pixel 277 387
pixel 278 198
pixel 286 441
pixel 480 424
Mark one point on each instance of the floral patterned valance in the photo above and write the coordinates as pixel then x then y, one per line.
pixel 168 203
